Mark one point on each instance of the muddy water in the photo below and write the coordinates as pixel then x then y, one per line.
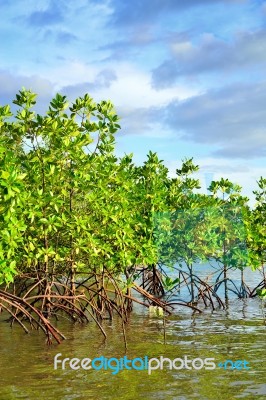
pixel 27 364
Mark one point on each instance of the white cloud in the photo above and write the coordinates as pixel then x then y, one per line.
pixel 130 91
pixel 72 72
pixel 133 89
pixel 212 54
pixel 180 48
pixel 231 118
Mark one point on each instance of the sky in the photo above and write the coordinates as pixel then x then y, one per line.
pixel 187 77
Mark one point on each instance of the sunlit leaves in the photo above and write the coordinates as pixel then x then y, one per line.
pixel 68 203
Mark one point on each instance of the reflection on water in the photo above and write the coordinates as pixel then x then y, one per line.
pixel 238 333
pixel 213 273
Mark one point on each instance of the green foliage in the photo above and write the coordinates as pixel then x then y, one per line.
pixel 257 226
pixel 231 229
pixel 261 293
pixel 68 204
pixel 170 283
pixel 12 201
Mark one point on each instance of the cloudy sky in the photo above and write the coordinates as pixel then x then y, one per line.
pixel 187 77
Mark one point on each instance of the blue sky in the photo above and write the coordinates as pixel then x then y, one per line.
pixel 187 77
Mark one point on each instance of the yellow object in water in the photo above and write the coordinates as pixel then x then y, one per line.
pixel 156 310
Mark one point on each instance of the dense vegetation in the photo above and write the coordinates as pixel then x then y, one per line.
pixel 80 228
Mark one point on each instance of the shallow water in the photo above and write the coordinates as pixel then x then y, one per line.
pixel 27 364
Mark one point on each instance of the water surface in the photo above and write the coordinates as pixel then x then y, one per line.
pixel 238 333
